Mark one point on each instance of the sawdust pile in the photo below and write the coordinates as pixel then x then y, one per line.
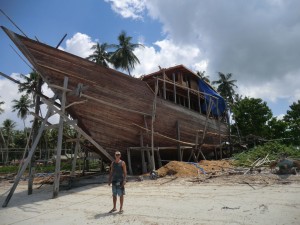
pixel 215 165
pixel 183 169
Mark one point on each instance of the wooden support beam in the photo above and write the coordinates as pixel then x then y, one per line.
pixel 77 103
pixel 202 94
pixel 174 87
pixel 28 159
pixel 179 155
pixel 59 142
pixel 189 98
pixel 158 158
pixel 149 158
pixel 78 129
pixel 152 123
pixel 144 167
pixel 77 148
pixel 164 85
pixel 163 136
pixel 129 161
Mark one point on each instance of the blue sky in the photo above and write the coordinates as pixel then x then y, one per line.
pixel 257 41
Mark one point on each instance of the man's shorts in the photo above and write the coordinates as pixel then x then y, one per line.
pixel 118 190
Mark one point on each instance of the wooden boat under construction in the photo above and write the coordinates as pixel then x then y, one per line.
pixel 172 112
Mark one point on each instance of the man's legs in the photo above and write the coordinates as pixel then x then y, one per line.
pixel 115 201
pixel 121 202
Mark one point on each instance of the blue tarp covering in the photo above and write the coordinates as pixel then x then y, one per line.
pixel 218 100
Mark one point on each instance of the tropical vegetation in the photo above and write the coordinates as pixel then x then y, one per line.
pixel 121 58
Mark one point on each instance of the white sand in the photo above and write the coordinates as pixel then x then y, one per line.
pixel 156 202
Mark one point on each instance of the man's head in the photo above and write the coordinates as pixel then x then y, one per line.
pixel 117 154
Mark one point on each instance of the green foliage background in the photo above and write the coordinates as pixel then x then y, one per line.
pixel 274 149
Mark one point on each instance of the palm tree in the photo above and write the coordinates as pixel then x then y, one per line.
pixel 1 133
pixel 33 85
pixel 201 74
pixel 30 84
pixel 22 106
pixel 225 87
pixel 8 129
pixel 124 57
pixel 100 55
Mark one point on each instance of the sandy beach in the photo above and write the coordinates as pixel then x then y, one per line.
pixel 170 200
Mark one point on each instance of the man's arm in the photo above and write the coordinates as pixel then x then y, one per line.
pixel 124 172
pixel 110 173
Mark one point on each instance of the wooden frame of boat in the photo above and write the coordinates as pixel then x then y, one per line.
pixel 119 112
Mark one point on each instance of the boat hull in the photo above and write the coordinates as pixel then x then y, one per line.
pixel 119 108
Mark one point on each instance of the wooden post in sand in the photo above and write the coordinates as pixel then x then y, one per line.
pixel 59 142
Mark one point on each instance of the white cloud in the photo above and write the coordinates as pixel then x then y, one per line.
pixel 257 41
pixel 80 45
pixel 168 54
pixel 128 8
pixel 9 92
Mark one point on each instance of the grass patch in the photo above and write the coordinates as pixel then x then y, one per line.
pixel 274 149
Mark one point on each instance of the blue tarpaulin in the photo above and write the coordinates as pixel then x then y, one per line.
pixel 216 100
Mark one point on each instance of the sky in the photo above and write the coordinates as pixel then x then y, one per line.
pixel 258 41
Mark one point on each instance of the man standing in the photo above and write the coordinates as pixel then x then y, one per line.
pixel 117 177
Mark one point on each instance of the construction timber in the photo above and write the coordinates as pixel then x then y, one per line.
pixel 161 111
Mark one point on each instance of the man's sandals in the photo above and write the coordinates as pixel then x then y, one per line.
pixel 113 210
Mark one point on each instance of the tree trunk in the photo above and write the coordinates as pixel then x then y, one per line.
pixel 5 147
pixel 35 133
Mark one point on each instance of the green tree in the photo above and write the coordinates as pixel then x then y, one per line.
pixel 30 86
pixel 202 75
pixel 124 57
pixel 277 129
pixel 8 130
pixel 292 118
pixel 251 116
pixel 1 133
pixel 226 87
pixel 100 55
pixel 22 107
